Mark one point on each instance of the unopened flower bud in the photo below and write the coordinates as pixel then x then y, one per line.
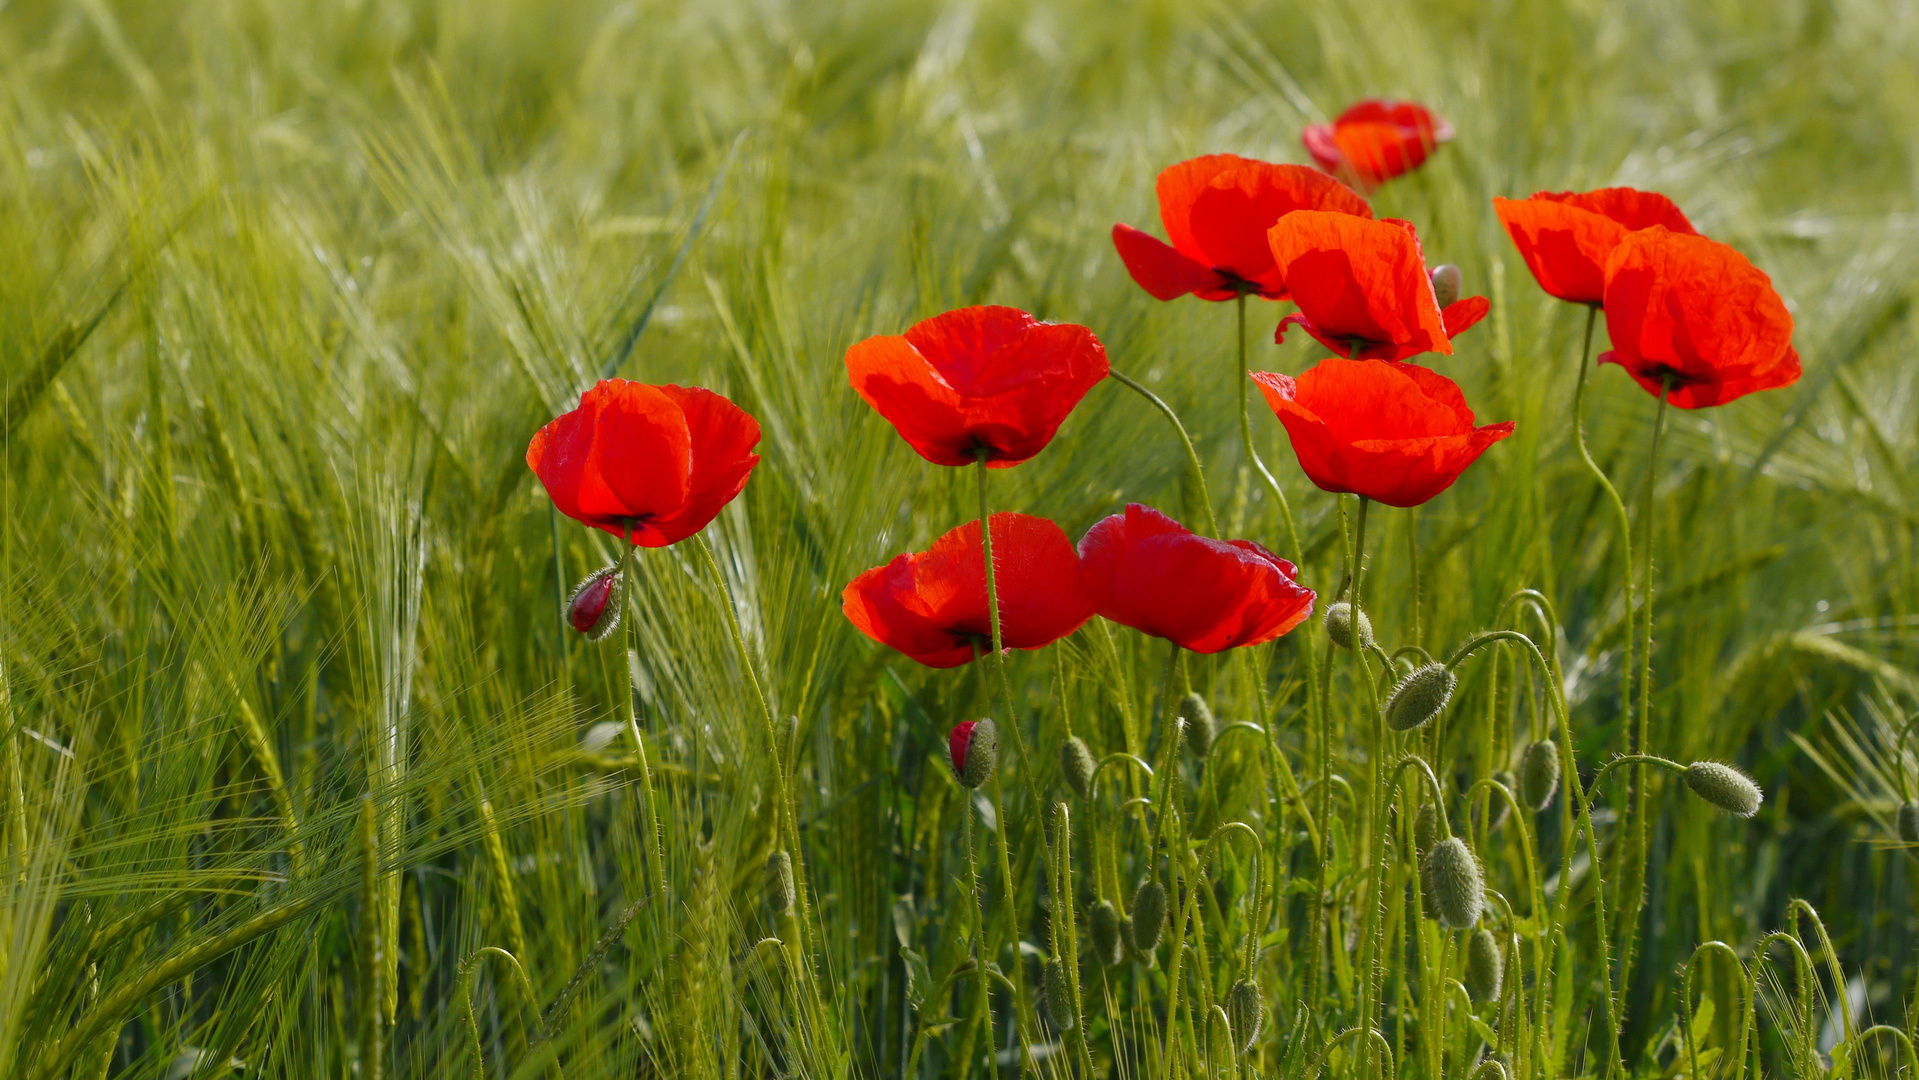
pixel 1485 968
pixel 1539 774
pixel 1449 876
pixel 1148 915
pixel 779 883
pixel 1420 696
pixel 594 607
pixel 1339 626
pixel 1425 828
pixel 1909 823
pixel 1446 283
pixel 1245 1012
pixel 1076 764
pixel 1725 787
pixel 1102 923
pixel 1497 807
pixel 1201 726
pixel 975 748
pixel 1056 996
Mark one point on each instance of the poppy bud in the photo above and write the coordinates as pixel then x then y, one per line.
pixel 1909 823
pixel 594 607
pixel 1056 996
pixel 975 748
pixel 1339 626
pixel 1498 806
pixel 1420 696
pixel 779 883
pixel 766 959
pixel 1446 284
pixel 1485 968
pixel 1076 763
pixel 1102 922
pixel 1244 1014
pixel 1725 787
pixel 1201 726
pixel 1454 891
pixel 1425 828
pixel 1148 915
pixel 1539 774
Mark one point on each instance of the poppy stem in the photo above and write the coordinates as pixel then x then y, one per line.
pixel 1618 505
pixel 655 851
pixel 1185 440
pixel 1240 377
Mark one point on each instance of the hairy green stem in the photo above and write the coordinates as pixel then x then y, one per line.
pixel 1185 440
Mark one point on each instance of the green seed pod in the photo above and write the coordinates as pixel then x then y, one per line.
pixel 779 883
pixel 594 607
pixel 1446 283
pixel 765 960
pixel 1103 925
pixel 1909 823
pixel 1485 968
pixel 1425 828
pixel 1420 696
pixel 1056 996
pixel 1449 875
pixel 1725 787
pixel 975 749
pixel 1539 774
pixel 1202 727
pixel 1245 1012
pixel 1148 915
pixel 1498 807
pixel 1339 626
pixel 1076 764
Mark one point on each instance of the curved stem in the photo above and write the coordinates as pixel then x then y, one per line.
pixel 1632 759
pixel 1612 495
pixel 1185 440
pixel 1241 376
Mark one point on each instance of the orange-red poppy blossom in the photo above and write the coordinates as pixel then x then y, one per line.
pixel 1693 314
pixel 979 380
pixel 1362 287
pixel 1216 210
pixel 660 461
pixel 1566 237
pixel 1395 433
pixel 1149 572
pixel 1376 140
pixel 931 605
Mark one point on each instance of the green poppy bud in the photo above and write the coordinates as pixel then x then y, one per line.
pixel 1245 1012
pixel 1446 283
pixel 1539 774
pixel 1339 626
pixel 1420 696
pixel 1148 915
pixel 1056 996
pixel 1425 828
pixel 1485 968
pixel 779 883
pixel 1449 876
pixel 1103 925
pixel 594 607
pixel 1076 764
pixel 1909 823
pixel 1725 787
pixel 975 749
pixel 1497 806
pixel 1201 726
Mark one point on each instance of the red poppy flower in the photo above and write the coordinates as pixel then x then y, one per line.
pixel 662 460
pixel 1395 433
pixel 931 605
pixel 1693 313
pixel 1566 237
pixel 1362 287
pixel 980 378
pixel 1151 573
pixel 1216 210
pixel 1376 140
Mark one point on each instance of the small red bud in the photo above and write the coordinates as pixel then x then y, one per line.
pixel 974 745
pixel 594 607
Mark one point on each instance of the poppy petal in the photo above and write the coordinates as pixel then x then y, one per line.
pixel 723 437
pixel 1566 237
pixel 1161 270
pixel 1462 315
pixel 1358 279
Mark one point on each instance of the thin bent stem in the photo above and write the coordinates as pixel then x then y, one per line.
pixel 1612 496
pixel 1185 440
pixel 1241 376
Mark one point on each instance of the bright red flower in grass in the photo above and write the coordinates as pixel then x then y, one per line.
pixel 1362 287
pixel 1216 210
pixel 1151 573
pixel 979 378
pixel 1395 433
pixel 1566 237
pixel 1692 313
pixel 661 460
pixel 931 605
pixel 1376 140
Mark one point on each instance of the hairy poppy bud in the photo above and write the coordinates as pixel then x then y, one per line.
pixel 1485 968
pixel 1425 828
pixel 1446 284
pixel 1056 996
pixel 1340 619
pixel 1539 774
pixel 1499 808
pixel 1725 787
pixel 779 883
pixel 594 607
pixel 1454 891
pixel 975 748
pixel 1244 1014
pixel 1201 726
pixel 1102 922
pixel 1420 696
pixel 1148 915
pixel 1909 823
pixel 1076 763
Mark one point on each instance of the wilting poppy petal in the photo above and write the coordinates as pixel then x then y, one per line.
pixel 1376 140
pixel 1361 286
pixel 1566 237
pixel 1694 313
pixel 1396 433
pixel 979 378
pixel 1149 572
pixel 658 460
pixel 931 605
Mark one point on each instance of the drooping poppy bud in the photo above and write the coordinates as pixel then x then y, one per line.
pixel 1420 696
pixel 1102 924
pixel 594 607
pixel 1500 809
pixel 779 883
pixel 1076 765
pixel 1148 915
pixel 1447 281
pixel 1425 828
pixel 1725 787
pixel 1539 774
pixel 1376 140
pixel 1202 727
pixel 1450 880
pixel 1056 996
pixel 974 745
pixel 1340 622
pixel 1909 822
pixel 1485 968
pixel 1245 1012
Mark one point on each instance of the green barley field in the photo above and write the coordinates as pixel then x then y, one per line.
pixel 305 775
